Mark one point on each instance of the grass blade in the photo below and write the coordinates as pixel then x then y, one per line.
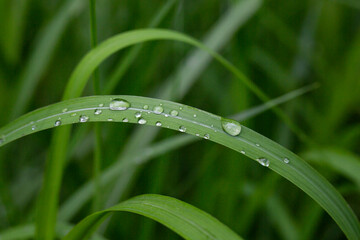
pixel 184 219
pixel 209 126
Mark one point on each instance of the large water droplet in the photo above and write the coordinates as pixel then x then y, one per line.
pixel 158 109
pixel 182 129
pixel 57 123
pixel 230 126
pixel 138 114
pixel 174 113
pixel 83 118
pixel 142 121
pixel 98 112
pixel 206 136
pixel 286 160
pixel 263 161
pixel 119 104
pixel 158 124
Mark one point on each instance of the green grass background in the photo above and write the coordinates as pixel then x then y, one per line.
pixel 281 46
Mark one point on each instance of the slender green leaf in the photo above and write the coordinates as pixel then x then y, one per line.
pixel 184 219
pixel 198 123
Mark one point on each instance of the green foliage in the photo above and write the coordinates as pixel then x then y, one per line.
pixel 265 49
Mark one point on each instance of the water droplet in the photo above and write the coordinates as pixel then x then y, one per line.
pixel 263 161
pixel 125 120
pixel 206 136
pixel 158 124
pixel 57 123
pixel 182 129
pixel 174 113
pixel 64 110
pixel 110 119
pixel 142 121
pixel 33 128
pixel 286 160
pixel 138 114
pixel 97 112
pixel 195 116
pixel 74 114
pixel 242 151
pixel 83 118
pixel 119 104
pixel 258 145
pixel 197 135
pixel 230 126
pixel 166 115
pixel 146 107
pixel 181 108
pixel 101 105
pixel 158 109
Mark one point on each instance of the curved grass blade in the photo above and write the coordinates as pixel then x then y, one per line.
pixel 184 219
pixel 78 80
pixel 195 122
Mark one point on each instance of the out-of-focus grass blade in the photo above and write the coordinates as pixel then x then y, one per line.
pixel 124 64
pixel 195 122
pixel 78 199
pixel 338 160
pixel 28 231
pixel 12 27
pixel 42 53
pixel 184 219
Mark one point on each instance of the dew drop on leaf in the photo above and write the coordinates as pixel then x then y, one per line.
pixel 286 160
pixel 158 109
pixel 174 113
pixel 230 126
pixel 182 129
pixel 142 121
pixel 263 161
pixel 138 114
pixel 158 124
pixel 119 104
pixel 206 136
pixel 83 118
pixel 97 112
pixel 57 123
pixel 125 120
